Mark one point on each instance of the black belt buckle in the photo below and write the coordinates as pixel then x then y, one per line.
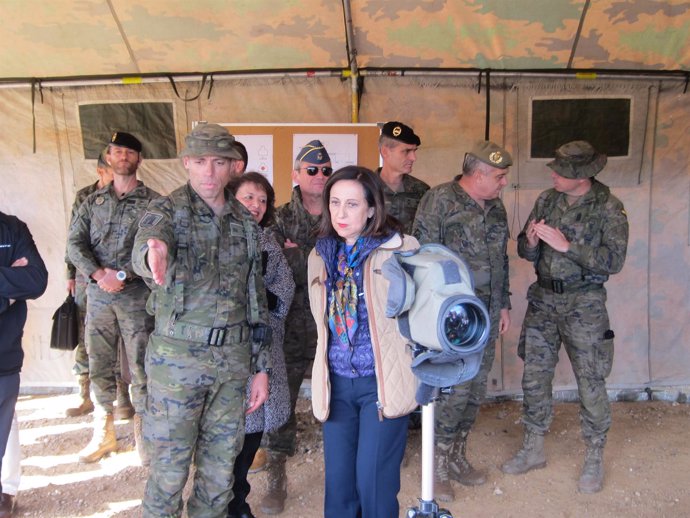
pixel 557 285
pixel 216 336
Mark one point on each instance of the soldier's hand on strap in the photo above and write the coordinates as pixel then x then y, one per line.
pixel 71 286
pixel 552 237
pixel 157 259
pixel 258 392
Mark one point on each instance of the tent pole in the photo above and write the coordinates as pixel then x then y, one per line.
pixel 352 59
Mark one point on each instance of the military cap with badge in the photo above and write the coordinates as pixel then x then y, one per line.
pixel 314 152
pixel 123 139
pixel 490 153
pixel 401 132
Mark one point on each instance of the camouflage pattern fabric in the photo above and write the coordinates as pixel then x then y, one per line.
pixel 81 357
pixel 448 215
pixel 403 205
pixel 293 222
pixel 597 227
pixel 102 235
pixel 197 390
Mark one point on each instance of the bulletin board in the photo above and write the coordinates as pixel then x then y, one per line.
pixel 272 148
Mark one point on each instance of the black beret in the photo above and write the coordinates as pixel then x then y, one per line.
pixel 399 131
pixel 122 139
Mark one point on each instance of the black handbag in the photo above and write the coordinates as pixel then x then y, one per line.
pixel 65 332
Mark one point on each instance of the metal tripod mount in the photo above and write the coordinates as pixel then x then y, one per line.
pixel 428 508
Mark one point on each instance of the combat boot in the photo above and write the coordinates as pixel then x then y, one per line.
pixel 443 490
pixel 124 408
pixel 592 477
pixel 140 442
pixel 273 501
pixel 103 442
pixel 86 405
pixel 531 455
pixel 460 468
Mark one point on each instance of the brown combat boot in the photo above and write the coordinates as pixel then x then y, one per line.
pixel 103 441
pixel 531 455
pixel 273 501
pixel 443 490
pixel 259 462
pixel 124 409
pixel 460 468
pixel 139 441
pixel 86 405
pixel 592 477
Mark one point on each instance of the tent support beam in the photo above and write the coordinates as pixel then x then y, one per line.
pixel 681 76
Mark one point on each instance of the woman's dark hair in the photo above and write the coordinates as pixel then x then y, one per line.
pixel 380 224
pixel 260 180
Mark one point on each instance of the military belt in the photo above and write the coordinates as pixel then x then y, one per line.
pixel 560 286
pixel 213 336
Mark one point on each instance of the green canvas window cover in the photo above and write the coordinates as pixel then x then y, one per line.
pixel 151 122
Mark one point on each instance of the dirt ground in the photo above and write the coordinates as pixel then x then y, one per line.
pixel 647 465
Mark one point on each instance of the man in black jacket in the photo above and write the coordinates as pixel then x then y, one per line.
pixel 22 276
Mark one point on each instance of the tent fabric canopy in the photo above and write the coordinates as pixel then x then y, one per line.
pixel 88 38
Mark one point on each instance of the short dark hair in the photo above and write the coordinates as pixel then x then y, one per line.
pixel 260 180
pixel 380 224
pixel 243 151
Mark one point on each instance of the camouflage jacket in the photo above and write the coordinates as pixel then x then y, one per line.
pixel 403 205
pixel 293 222
pixel 449 216
pixel 102 234
pixel 597 228
pixel 82 194
pixel 213 278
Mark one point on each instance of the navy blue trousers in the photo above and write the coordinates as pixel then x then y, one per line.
pixel 9 391
pixel 362 453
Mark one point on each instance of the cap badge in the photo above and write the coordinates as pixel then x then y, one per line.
pixel 100 200
pixel 397 131
pixel 114 137
pixel 496 157
pixel 319 156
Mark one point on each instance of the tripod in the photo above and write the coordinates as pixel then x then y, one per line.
pixel 428 508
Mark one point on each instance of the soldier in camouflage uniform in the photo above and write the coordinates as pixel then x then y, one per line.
pixel 576 236
pixel 467 216
pixel 76 285
pixel 294 227
pixel 200 248
pixel 398 147
pixel 100 246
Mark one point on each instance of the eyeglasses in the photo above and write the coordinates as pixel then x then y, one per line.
pixel 312 170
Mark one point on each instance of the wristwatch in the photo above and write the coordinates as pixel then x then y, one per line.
pixel 267 371
pixel 121 275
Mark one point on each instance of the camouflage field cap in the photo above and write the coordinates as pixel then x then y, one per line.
pixel 210 140
pixel 314 153
pixel 122 139
pixel 577 159
pixel 399 131
pixel 491 153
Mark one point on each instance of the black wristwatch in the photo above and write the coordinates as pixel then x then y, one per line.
pixel 267 371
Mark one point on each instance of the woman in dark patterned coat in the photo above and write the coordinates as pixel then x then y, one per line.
pixel 257 195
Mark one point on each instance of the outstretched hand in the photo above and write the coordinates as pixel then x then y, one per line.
pixel 157 259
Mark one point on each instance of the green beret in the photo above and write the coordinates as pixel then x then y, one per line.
pixel 492 154
pixel 577 159
pixel 210 140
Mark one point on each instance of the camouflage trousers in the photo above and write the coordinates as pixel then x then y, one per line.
pixel 580 321
pixel 457 412
pixel 204 420
pixel 110 316
pixel 299 347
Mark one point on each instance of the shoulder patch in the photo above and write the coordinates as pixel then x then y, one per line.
pixel 150 219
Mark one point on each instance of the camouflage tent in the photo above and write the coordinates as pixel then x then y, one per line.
pixel 454 70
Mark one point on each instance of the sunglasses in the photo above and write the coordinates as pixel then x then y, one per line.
pixel 312 170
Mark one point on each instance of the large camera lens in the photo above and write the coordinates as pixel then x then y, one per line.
pixel 463 325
